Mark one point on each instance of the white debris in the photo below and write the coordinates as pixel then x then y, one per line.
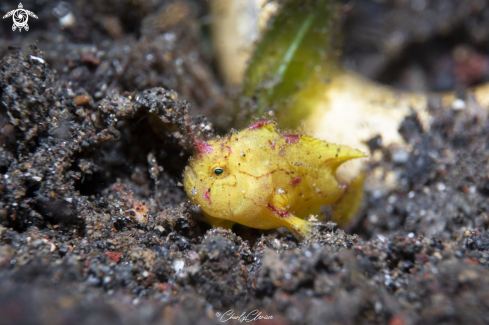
pixel 178 265
pixel 441 187
pixel 458 105
pixel 36 58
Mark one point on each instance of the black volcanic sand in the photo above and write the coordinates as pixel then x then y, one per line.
pixel 96 228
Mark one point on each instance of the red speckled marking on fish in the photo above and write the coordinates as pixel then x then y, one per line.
pixel 207 196
pixel 257 125
pixel 291 138
pixel 203 146
pixel 296 181
pixel 272 144
pixel 229 149
pixel 281 213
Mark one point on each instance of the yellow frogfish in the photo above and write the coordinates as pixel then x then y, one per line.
pixel 265 179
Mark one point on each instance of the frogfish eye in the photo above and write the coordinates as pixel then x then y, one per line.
pixel 218 171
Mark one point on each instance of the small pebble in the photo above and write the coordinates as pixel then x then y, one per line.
pixel 81 100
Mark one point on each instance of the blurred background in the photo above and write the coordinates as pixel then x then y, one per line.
pixel 417 45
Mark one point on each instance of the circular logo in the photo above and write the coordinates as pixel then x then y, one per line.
pixel 20 17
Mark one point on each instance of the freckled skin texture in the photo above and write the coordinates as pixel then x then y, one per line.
pixel 263 179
